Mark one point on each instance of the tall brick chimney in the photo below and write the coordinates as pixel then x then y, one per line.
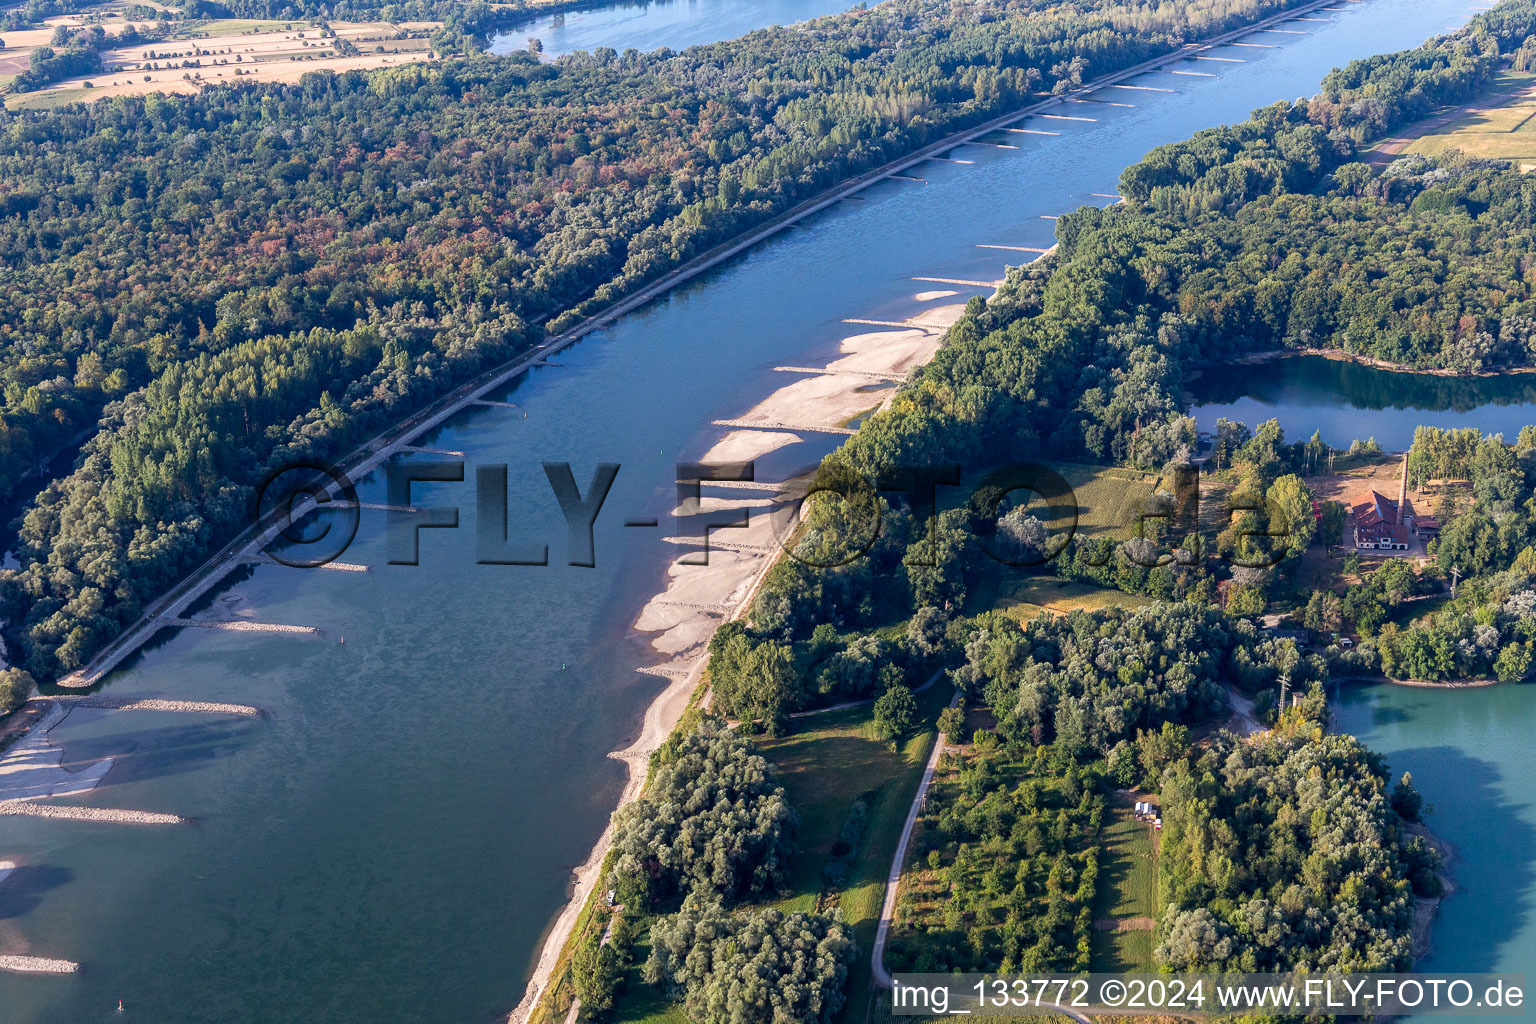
pixel 1402 493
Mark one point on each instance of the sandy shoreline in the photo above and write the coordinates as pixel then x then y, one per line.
pixel 1424 910
pixel 34 769
pixel 696 599
pixel 1423 684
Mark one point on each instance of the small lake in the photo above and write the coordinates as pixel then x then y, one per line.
pixel 651 25
pixel 1348 401
pixel 1470 755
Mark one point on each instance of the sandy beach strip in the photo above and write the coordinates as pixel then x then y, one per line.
pixel 698 598
pixel 33 768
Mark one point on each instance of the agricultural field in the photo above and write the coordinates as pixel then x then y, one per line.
pixel 1499 124
pixel 220 51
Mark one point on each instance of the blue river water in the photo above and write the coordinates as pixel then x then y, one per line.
pixel 652 24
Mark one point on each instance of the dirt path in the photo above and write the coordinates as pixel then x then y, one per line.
pixel 1125 924
pixel 1244 714
pixel 893 879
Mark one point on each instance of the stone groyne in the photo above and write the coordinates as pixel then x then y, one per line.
pixel 26 808
pixel 37 965
pixel 244 626
pixel 157 704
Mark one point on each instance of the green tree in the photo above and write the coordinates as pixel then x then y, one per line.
pixel 1406 800
pixel 15 688
pixel 1289 503
pixel 1514 661
pixel 952 725
pixel 759 967
pixel 595 973
pixel 895 713
pixel 713 819
pixel 1324 613
pixel 1245 601
pixel 1331 527
pixel 1158 749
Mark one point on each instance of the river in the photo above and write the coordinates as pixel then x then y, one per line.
pixel 651 24
pixel 391 842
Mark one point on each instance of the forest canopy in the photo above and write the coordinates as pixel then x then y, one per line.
pixel 1286 853
pixel 713 820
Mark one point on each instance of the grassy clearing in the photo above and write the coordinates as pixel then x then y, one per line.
pixel 1123 952
pixel 1514 146
pixel 1109 498
pixel 1405 613
pixel 1025 598
pixel 1127 889
pixel 826 765
pixel 639 1003
pixel 1500 125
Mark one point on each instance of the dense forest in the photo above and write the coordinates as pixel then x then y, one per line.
pixel 256 274
pixel 1086 681
pixel 759 967
pixel 1284 854
pixel 713 820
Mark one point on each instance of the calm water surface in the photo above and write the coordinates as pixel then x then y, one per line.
pixel 391 843
pixel 1470 755
pixel 1348 401
pixel 647 26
